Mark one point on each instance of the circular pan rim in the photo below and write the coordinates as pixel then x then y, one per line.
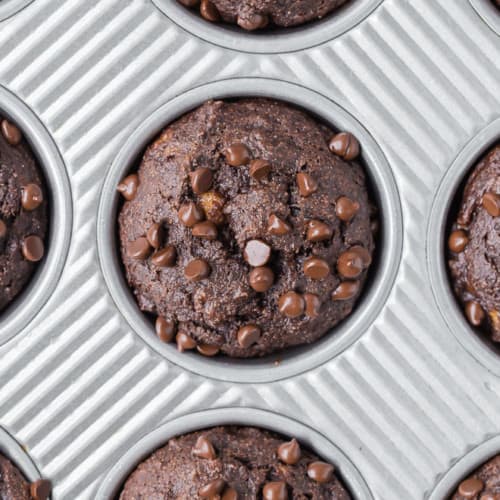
pixel 488 13
pixel 291 40
pixel 311 438
pixel 257 370
pixel 9 8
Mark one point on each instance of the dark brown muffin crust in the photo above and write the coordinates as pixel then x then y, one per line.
pixel 272 253
pixel 13 485
pixel 257 14
pixel 483 484
pixel 240 463
pixel 474 245
pixel 23 213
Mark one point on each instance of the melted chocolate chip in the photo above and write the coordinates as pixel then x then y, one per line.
pixel 346 209
pixel 320 472
pixel 248 335
pixel 209 11
pixel 212 489
pixel 470 487
pixel 197 270
pixel 208 350
pixel 201 180
pixel 11 133
pixel 474 312
pixel 257 253
pixel 350 264
pixel 40 489
pixel 230 494
pixel 346 290
pixel 318 231
pixel 32 248
pixel 316 269
pixel 165 257
pixel 491 203
pixel 165 329
pixel 306 184
pixel 139 249
pixel 313 305
pixel 184 342
pixel 154 235
pixel 277 226
pixel 128 187
pixel 261 279
pixel 458 241
pixel 291 304
pixel 204 449
pixel 289 453
pixel 31 197
pixel 275 490
pixel 206 229
pixel 259 169
pixel 344 145
pixel 190 213
pixel 237 155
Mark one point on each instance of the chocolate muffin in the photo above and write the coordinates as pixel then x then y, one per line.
pixel 23 213
pixel 474 245
pixel 242 231
pixel 233 463
pixel 14 486
pixel 257 14
pixel 484 484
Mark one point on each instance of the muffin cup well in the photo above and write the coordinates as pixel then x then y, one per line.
pixel 10 449
pixel 488 13
pixel 313 440
pixel 272 41
pixel 464 467
pixel 10 7
pixel 294 360
pixel 43 282
pixel 444 205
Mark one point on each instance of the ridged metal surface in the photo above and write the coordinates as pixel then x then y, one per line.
pixel 78 387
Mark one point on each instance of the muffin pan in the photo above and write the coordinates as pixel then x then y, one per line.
pixel 404 389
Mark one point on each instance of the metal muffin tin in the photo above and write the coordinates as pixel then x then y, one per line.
pixel 405 390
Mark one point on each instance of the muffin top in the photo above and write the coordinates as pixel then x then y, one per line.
pixel 236 463
pixel 474 245
pixel 243 232
pixel 484 484
pixel 23 213
pixel 257 14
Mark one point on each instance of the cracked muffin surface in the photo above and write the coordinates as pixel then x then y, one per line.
pixel 242 232
pixel 233 463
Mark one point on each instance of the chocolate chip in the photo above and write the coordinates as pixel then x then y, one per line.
pixel 204 449
pixel 230 494
pixel 253 21
pixel 313 305
pixel 291 304
pixel 128 186
pixel 306 184
pixel 261 279
pixel 316 269
pixel 257 253
pixel 248 335
pixel 165 329
pixel 190 3
pixel 154 235
pixel 11 133
pixel 40 489
pixel 474 312
pixel 277 226
pixel 275 490
pixel 32 248
pixel 212 489
pixel 320 472
pixel 206 229
pixel 197 270
pixel 289 453
pixel 201 180
pixel 346 290
pixel 318 231
pixel 470 487
pixel 184 342
pixel 344 145
pixel 491 203
pixel 458 241
pixel 350 264
pixel 3 229
pixel 31 197
pixel 208 350
pixel 213 203
pixel 364 254
pixel 259 169
pixel 165 257
pixel 139 249
pixel 190 213
pixel 346 209
pixel 237 155
pixel 209 11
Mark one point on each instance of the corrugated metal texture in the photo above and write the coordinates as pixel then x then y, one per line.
pixel 78 386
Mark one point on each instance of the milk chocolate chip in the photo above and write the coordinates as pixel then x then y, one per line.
pixel 470 487
pixel 248 335
pixel 474 312
pixel 346 209
pixel 11 133
pixel 491 203
pixel 259 169
pixel 184 342
pixel 346 290
pixel 306 184
pixel 275 490
pixel 253 21
pixel 32 248
pixel 190 213
pixel 277 226
pixel 261 279
pixel 212 489
pixel 165 257
pixel 197 270
pixel 206 229
pixel 313 305
pixel 237 155
pixel 320 472
pixel 153 235
pixel 316 269
pixel 204 449
pixel 201 180
pixel 344 145
pixel 209 11
pixel 289 453
pixel 230 494
pixel 291 304
pixel 208 350
pixel 165 329
pixel 128 187
pixel 31 197
pixel 139 249
pixel 40 489
pixel 3 229
pixel 318 231
pixel 458 241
